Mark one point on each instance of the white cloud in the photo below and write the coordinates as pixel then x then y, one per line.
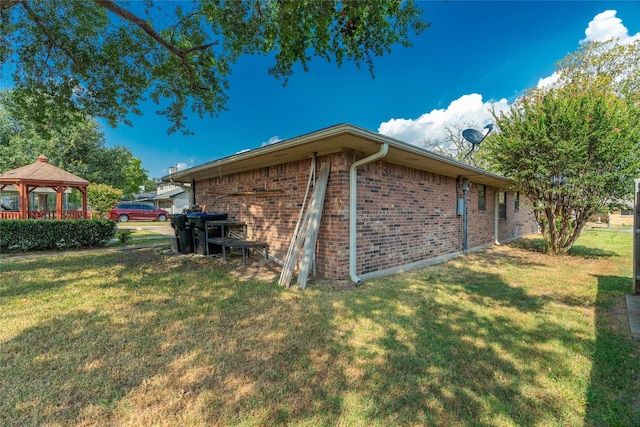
pixel 548 81
pixel 182 166
pixel 606 26
pixel 471 109
pixel 271 140
pixel 468 109
pixel 185 165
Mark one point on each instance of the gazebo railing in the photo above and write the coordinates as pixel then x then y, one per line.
pixel 9 215
pixel 42 215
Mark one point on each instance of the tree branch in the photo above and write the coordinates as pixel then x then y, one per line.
pixel 51 41
pixel 7 4
pixel 134 19
pixel 201 47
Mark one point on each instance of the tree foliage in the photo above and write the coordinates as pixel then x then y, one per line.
pixel 104 57
pixel 101 197
pixel 574 148
pixel 76 145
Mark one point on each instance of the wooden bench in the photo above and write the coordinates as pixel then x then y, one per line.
pixel 233 242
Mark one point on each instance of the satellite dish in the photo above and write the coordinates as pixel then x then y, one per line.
pixel 473 136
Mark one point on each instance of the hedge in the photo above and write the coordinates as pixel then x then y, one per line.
pixel 39 235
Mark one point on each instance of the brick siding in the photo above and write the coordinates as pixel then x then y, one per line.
pixel 405 215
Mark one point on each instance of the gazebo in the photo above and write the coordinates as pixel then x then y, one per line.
pixel 42 177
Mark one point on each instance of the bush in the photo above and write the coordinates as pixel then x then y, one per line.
pixel 38 235
pixel 124 236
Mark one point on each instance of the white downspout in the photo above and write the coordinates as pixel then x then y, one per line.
pixel 353 204
pixel 496 216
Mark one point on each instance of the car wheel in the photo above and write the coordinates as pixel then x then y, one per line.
pixel 123 218
pixel 162 218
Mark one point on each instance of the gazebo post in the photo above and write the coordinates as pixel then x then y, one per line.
pixel 23 192
pixel 83 190
pixel 60 190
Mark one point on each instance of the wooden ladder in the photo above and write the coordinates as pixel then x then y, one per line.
pixel 307 235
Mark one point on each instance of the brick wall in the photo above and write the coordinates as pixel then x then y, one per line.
pixel 272 217
pixel 480 221
pixel 405 215
pixel 519 222
pixel 616 218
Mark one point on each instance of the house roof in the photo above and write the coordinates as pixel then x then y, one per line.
pixel 169 194
pixel 42 171
pixel 334 139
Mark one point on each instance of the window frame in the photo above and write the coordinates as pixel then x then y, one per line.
pixel 482 200
pixel 502 205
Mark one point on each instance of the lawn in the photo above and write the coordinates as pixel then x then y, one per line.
pixel 503 337
pixel 140 237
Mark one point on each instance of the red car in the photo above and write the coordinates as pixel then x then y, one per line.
pixel 125 211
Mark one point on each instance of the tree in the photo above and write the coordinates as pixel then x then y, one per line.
pixel 101 197
pixel 104 59
pixel 151 184
pixel 76 145
pixel 573 148
pixel 455 146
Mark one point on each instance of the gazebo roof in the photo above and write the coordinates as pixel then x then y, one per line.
pixel 42 171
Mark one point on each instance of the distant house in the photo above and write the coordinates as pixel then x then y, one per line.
pixel 622 217
pixel 389 205
pixel 170 197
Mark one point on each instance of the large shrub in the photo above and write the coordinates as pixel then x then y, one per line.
pixel 101 197
pixel 38 235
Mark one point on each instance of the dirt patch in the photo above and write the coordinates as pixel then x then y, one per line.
pixel 619 317
pixel 257 269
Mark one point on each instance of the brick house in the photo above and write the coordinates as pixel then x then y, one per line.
pixel 389 205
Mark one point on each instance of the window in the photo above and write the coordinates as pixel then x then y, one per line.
pixel 502 205
pixel 626 212
pixel 516 201
pixel 482 204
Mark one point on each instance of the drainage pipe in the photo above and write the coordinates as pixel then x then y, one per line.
pixel 496 217
pixel 464 222
pixel 465 197
pixel 353 204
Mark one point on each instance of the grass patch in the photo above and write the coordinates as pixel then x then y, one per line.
pixel 503 337
pixel 129 224
pixel 140 237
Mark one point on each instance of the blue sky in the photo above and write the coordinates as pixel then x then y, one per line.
pixel 475 54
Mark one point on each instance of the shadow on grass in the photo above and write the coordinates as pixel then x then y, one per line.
pixel 171 340
pixel 466 362
pixel 587 252
pixel 538 245
pixel 180 340
pixel 38 275
pixel 614 391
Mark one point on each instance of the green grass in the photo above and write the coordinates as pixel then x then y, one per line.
pixel 142 237
pixel 505 337
pixel 166 223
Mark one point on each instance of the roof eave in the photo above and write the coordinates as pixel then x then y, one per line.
pixel 320 142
